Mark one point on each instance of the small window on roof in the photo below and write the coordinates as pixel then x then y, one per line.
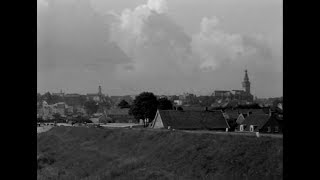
pixel 251 128
pixel 241 127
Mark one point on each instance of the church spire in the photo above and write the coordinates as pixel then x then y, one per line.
pixel 246 78
pixel 246 82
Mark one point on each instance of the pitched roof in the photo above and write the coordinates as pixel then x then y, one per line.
pixel 254 111
pixel 256 119
pixel 192 108
pixel 193 119
pixel 233 114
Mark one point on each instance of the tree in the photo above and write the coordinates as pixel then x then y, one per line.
pixel 180 108
pixel 206 100
pixel 56 116
pixel 165 104
pixel 91 107
pixel 144 106
pixel 123 104
pixel 47 97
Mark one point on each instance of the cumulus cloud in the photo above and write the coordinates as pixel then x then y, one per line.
pixel 159 6
pixel 151 38
pixel 215 46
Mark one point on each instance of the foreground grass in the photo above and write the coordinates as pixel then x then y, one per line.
pixel 90 153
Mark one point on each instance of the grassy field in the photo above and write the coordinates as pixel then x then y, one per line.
pixel 91 153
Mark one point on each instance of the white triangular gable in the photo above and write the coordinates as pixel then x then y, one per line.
pixel 157 122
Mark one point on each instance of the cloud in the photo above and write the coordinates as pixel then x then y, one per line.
pixel 157 44
pixel 151 38
pixel 216 47
pixel 160 6
pixel 70 35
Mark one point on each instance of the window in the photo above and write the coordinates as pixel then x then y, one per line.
pixel 241 127
pixel 276 129
pixel 251 128
pixel 269 129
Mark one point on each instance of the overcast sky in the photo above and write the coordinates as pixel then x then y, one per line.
pixel 167 47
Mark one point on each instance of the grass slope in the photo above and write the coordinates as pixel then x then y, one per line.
pixel 91 153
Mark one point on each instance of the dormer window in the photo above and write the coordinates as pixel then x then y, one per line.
pixel 251 128
pixel 241 127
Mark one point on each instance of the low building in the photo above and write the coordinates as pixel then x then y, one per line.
pixel 190 120
pixel 100 119
pixel 120 115
pixel 261 123
pixel 177 102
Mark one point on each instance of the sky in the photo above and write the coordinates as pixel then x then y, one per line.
pixel 162 46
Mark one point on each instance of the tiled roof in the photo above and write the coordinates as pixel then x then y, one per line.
pixel 193 119
pixel 192 108
pixel 256 119
pixel 233 114
pixel 254 111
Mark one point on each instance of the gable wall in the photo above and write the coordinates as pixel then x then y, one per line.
pixel 158 122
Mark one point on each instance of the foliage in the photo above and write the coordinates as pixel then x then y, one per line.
pixel 91 107
pixel 191 99
pixel 249 106
pixel 47 97
pixel 206 100
pixel 123 104
pixel 165 104
pixel 179 108
pixel 144 106
pixel 56 116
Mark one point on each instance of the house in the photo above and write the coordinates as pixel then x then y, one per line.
pixel 243 113
pixel 120 115
pixel 100 118
pixel 261 123
pixel 189 120
pixel 177 102
pixel 231 114
pixel 241 118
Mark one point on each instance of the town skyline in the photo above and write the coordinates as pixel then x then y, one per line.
pixel 165 47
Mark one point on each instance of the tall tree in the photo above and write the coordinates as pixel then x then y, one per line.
pixel 144 106
pixel 165 104
pixel 47 97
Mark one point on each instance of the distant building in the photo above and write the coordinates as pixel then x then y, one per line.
pixel 61 94
pixel 192 120
pixel 177 102
pixel 240 95
pixel 98 97
pixel 267 123
pixel 120 115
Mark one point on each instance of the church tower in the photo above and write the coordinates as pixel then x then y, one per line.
pixel 246 83
pixel 100 92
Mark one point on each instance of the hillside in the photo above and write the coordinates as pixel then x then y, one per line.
pixel 91 153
